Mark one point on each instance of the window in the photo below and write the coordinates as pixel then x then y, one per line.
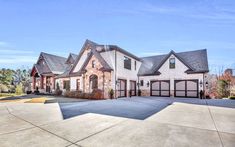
pixel 93 81
pixel 66 85
pixel 141 82
pixel 93 63
pixel 172 63
pixel 135 65
pixel 78 84
pixel 127 63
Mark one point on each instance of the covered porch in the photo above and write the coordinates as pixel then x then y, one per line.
pixel 42 82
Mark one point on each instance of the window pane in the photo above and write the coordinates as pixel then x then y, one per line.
pixel 172 62
pixel 127 63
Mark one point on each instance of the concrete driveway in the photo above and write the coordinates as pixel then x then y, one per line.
pixel 145 121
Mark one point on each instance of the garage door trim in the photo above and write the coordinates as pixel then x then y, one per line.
pixel 119 88
pixel 160 81
pixel 186 90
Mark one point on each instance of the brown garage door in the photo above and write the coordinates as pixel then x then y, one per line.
pixel 186 88
pixel 160 88
pixel 133 88
pixel 121 88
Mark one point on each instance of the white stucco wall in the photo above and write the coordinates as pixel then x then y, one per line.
pixel 73 83
pixel 121 72
pixel 81 61
pixel 124 73
pixel 172 74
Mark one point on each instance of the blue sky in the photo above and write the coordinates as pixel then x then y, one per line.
pixel 142 27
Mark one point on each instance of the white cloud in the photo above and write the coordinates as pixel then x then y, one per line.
pixel 2 43
pixel 14 59
pixel 12 51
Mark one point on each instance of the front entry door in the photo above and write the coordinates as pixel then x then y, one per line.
pixel 48 84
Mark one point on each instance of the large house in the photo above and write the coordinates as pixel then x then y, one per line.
pixel 109 67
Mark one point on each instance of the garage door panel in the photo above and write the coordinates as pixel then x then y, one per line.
pixel 180 93
pixel 160 88
pixel 121 88
pixel 165 86
pixel 123 85
pixel 186 88
pixel 164 93
pixel 192 93
pixel 133 88
pixel 156 85
pixel 180 85
pixel 191 85
pixel 156 93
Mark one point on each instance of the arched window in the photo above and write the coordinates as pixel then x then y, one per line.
pixel 93 81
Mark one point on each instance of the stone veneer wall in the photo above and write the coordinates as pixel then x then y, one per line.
pixel 145 92
pixel 104 78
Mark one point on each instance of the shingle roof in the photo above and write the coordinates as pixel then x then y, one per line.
pixel 103 48
pixel 56 64
pixel 71 58
pixel 74 56
pixel 196 61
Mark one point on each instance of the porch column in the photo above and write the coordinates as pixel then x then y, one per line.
pixel 34 82
pixel 42 82
pixel 53 82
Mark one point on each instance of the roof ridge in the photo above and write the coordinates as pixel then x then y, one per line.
pixel 52 55
pixel 175 52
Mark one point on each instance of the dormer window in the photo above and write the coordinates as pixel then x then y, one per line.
pixel 93 63
pixel 172 63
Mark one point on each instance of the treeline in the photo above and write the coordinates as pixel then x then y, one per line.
pixel 14 81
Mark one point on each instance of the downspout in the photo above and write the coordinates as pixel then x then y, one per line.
pixel 103 84
pixel 115 74
pixel 203 82
pixel 138 86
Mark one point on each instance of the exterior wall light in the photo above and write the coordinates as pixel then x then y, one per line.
pixel 201 83
pixel 207 84
pixel 137 83
pixel 117 82
pixel 148 84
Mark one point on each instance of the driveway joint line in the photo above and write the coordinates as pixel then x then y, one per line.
pixel 214 124
pixel 101 131
pixel 39 127
pixel 183 126
pixel 17 131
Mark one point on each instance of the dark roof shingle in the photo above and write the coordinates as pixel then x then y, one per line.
pixel 195 60
pixel 56 64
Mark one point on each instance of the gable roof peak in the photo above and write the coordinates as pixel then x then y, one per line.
pixel 90 42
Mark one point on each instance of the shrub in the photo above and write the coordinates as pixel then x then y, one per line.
pixel 232 97
pixel 139 92
pixel 3 88
pixel 19 89
pixel 222 88
pixel 58 91
pixel 97 94
pixel 36 91
pixel 111 93
pixel 73 94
